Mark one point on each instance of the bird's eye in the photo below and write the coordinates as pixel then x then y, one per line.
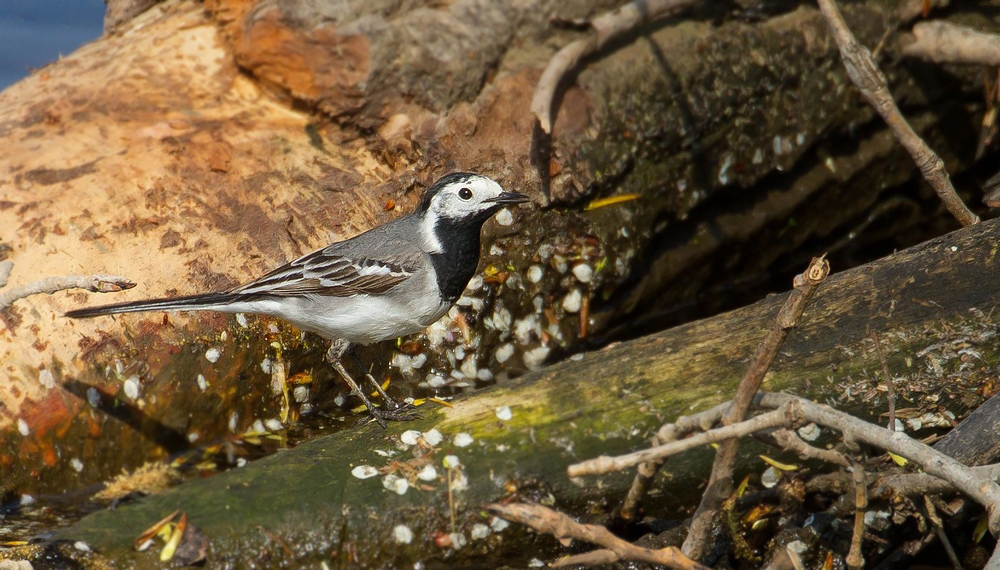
pixel 465 193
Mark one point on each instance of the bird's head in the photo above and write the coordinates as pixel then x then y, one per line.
pixel 461 197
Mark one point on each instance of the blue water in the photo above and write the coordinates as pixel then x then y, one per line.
pixel 36 32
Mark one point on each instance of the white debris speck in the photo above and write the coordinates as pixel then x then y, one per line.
pixel 498 524
pixel 535 563
pixel 504 217
pixel 504 413
pixel 458 540
pixel 800 138
pixel 265 365
pixel 435 380
pixel 462 440
pixel 402 534
pixel 193 437
pixel 535 273
pixel 501 319
pixel 479 531
pixel 469 367
pixel 81 546
pixel 241 319
pixel 433 437
pixel 559 262
pixel 899 426
pixel 504 352
pixel 300 394
pixel 475 283
pixel 577 357
pixel 572 301
pixel 364 471
pixel 524 328
pixel 535 358
pixel 27 500
pixel 76 464
pixel 402 362
pixel 954 248
pixel 758 156
pixel 418 361
pixel 810 432
pixel 539 304
pixel 202 383
pixel 428 473
pixel 257 427
pixel 234 419
pixel 410 437
pixel 770 477
pixel 213 354
pixel 45 378
pixel 240 461
pixel 484 375
pixel 776 145
pixel 496 250
pixel 132 387
pixel 93 397
pixel 438 331
pixel 396 484
pixel 727 163
pixel 583 272
pixel 451 461
pixel 274 425
pixel 22 427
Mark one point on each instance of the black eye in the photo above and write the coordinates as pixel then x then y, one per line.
pixel 465 193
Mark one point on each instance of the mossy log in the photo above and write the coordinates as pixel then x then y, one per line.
pixel 933 307
pixel 201 144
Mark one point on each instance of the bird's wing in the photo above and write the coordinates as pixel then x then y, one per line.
pixel 335 272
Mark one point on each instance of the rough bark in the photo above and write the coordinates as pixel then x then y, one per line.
pixel 935 318
pixel 202 144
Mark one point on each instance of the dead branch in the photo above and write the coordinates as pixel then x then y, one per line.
pixel 787 439
pixel 938 525
pixel 973 482
pixel 93 283
pixel 720 482
pixel 944 42
pixel 606 27
pixel 854 559
pixel 784 416
pixel 548 521
pixel 702 421
pixel 890 386
pixel 5 268
pixel 872 84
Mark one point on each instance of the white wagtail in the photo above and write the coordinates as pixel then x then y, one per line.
pixel 393 280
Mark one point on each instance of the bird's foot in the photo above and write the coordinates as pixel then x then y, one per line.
pixel 401 413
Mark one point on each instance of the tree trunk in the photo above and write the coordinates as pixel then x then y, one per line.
pixel 202 145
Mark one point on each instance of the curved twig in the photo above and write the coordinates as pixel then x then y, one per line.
pixel 872 84
pixel 93 283
pixel 606 27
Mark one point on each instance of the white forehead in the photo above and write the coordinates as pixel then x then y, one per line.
pixel 475 182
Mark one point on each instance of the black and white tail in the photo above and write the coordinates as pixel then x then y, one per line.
pixel 208 301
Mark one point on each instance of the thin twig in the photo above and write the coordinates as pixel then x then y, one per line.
pixel 854 559
pixel 606 27
pixel 787 439
pixel 888 382
pixel 939 529
pixel 720 482
pixel 93 283
pixel 785 416
pixel 645 473
pixel 976 483
pixel 872 84
pixel 944 42
pixel 545 520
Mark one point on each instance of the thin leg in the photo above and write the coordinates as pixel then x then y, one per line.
pixel 333 355
pixel 389 402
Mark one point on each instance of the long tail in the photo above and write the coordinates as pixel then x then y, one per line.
pixel 208 301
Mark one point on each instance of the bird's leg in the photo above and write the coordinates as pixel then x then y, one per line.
pixel 333 355
pixel 389 402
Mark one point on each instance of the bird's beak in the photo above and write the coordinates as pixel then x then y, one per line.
pixel 509 198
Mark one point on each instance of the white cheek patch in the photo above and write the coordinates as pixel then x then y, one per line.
pixel 431 242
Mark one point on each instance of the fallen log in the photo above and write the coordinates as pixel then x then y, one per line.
pixel 929 304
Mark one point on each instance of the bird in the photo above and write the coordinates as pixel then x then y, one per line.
pixel 393 280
